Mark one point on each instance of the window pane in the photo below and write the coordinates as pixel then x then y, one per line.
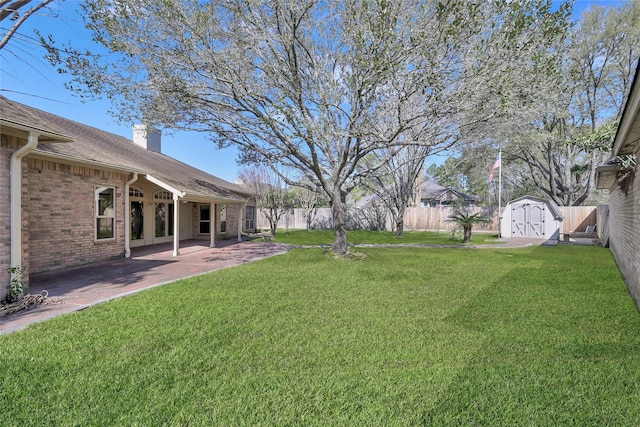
pixel 170 225
pixel 105 201
pixel 137 223
pixel 104 228
pixel 160 218
pixel 223 218
pixel 205 219
pixel 205 214
pixel 250 217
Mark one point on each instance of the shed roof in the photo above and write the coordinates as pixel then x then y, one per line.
pixel 110 151
pixel 553 207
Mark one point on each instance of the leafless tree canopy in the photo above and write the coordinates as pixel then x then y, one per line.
pixel 552 148
pixel 314 86
pixel 17 12
pixel 270 192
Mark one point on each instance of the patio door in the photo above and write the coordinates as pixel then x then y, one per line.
pixel 186 221
pixel 137 220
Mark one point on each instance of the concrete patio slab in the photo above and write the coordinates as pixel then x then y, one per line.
pixel 80 287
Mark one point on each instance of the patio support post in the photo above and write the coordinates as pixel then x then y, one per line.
pixel 212 227
pixel 127 216
pixel 176 225
pixel 240 216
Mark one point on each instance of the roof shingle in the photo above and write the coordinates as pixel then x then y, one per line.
pixel 98 147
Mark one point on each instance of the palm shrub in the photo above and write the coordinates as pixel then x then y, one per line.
pixel 466 221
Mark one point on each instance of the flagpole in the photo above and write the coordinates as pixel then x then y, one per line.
pixel 499 192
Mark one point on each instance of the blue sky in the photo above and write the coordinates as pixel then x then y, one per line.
pixel 27 78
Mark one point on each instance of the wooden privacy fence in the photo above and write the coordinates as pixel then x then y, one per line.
pixel 576 219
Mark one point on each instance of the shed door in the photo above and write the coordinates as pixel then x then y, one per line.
pixel 527 220
pixel 518 221
pixel 536 221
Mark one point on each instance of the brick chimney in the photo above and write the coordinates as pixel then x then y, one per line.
pixel 147 137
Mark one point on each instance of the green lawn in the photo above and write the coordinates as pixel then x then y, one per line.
pixel 325 237
pixel 541 336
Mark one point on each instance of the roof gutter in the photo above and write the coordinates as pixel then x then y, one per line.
pixel 628 114
pixel 16 197
pixel 46 155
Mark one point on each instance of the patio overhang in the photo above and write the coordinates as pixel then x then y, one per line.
pixel 168 187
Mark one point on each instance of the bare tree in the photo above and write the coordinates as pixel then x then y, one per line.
pixel 308 199
pixel 270 192
pixel 578 113
pixel 396 189
pixel 315 86
pixel 18 12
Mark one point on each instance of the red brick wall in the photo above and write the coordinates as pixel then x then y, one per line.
pixel 60 203
pixel 624 235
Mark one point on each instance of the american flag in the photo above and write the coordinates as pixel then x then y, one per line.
pixel 496 165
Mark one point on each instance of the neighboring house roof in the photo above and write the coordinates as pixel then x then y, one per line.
pixel 109 151
pixel 429 190
pixel 367 201
pixel 553 207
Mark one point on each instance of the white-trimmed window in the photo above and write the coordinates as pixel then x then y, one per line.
pixel 205 219
pixel 250 217
pixel 105 202
pixel 223 218
pixel 137 213
pixel 135 192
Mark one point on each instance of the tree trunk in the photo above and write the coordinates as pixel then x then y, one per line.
pixel 273 221
pixel 400 223
pixel 399 228
pixel 467 234
pixel 339 212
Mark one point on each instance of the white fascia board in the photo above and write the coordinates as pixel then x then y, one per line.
pixel 199 198
pixel 166 186
pixel 43 134
pixel 628 117
pixel 38 154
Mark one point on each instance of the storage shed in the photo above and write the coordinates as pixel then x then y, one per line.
pixel 532 218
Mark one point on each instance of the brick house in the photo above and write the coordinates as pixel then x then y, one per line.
pixel 621 227
pixel 433 195
pixel 72 194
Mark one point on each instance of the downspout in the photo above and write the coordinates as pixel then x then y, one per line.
pixel 127 215
pixel 16 198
